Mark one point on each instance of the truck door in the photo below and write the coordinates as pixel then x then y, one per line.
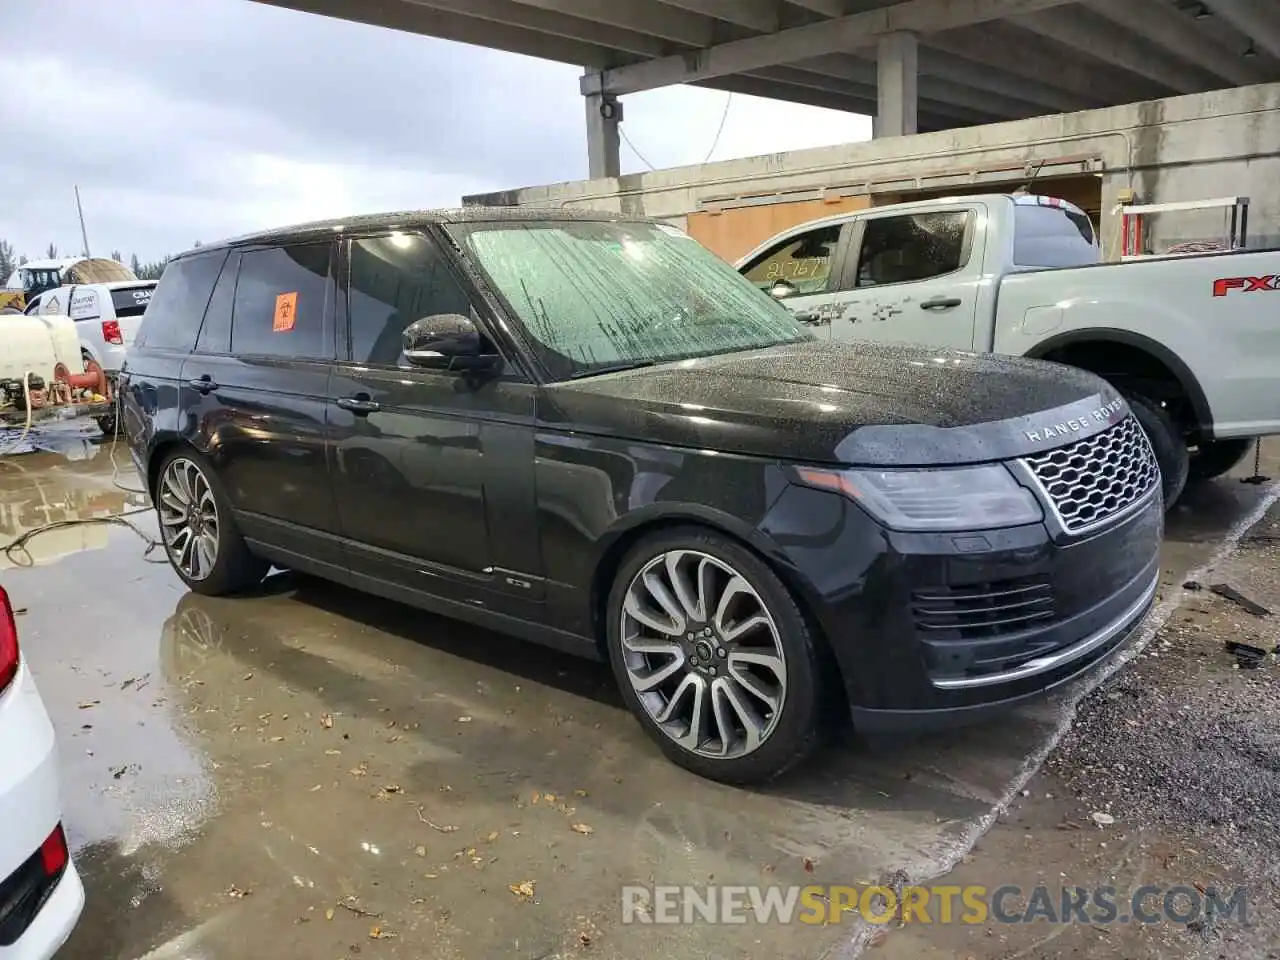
pixel 800 270
pixel 911 278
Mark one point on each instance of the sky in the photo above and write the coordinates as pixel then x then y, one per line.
pixel 193 120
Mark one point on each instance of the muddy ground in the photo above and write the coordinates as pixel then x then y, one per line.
pixel 308 772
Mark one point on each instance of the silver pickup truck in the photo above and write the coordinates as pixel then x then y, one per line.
pixel 1193 341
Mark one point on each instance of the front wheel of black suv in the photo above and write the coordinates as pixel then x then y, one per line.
pixel 714 657
pixel 197 529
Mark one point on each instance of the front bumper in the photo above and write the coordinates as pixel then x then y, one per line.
pixel 931 630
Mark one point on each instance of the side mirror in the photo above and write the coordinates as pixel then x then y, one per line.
pixel 782 289
pixel 445 341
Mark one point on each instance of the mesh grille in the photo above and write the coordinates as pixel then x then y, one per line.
pixel 983 610
pixel 1090 481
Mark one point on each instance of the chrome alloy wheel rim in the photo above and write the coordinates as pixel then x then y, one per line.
pixel 703 654
pixel 188 518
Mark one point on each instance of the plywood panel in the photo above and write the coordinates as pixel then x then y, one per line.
pixel 736 231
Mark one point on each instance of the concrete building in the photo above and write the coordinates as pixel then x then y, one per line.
pixel 941 78
pixel 1199 146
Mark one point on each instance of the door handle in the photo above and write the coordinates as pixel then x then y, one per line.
pixel 940 303
pixel 811 318
pixel 205 384
pixel 361 405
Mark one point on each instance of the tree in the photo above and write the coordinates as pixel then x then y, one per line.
pixel 8 262
pixel 117 256
pixel 134 265
pixel 22 260
pixel 52 252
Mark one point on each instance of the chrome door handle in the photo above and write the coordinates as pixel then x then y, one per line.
pixel 360 405
pixel 205 384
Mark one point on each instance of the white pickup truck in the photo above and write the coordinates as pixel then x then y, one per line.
pixel 1193 341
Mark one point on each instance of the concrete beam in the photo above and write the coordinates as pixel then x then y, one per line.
pixel 652 19
pixel 508 13
pixel 801 43
pixel 938 65
pixel 1154 20
pixel 897 77
pixel 1026 54
pixel 828 8
pixel 1257 21
pixel 1086 33
pixel 759 15
pixel 414 18
pixel 984 101
pixel 868 92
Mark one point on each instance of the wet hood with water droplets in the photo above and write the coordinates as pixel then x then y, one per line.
pixel 850 403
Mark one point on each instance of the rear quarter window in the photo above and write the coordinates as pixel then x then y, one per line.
pixel 1052 237
pixel 132 301
pixel 172 319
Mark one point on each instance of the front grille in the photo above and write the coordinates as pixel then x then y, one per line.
pixel 1092 480
pixel 984 610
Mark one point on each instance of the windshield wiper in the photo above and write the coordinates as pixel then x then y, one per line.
pixel 612 368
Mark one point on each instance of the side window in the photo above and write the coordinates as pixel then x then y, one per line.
pixel 172 318
pixel 913 247
pixel 215 334
pixel 394 281
pixel 282 303
pixel 803 262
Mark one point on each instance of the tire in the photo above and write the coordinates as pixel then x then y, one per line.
pixel 107 424
pixel 1213 458
pixel 185 476
pixel 704 656
pixel 1167 443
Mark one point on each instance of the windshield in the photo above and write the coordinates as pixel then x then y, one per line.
pixel 596 295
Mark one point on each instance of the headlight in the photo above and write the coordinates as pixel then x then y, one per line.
pixel 950 499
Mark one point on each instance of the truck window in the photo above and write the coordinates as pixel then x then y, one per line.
pixel 804 261
pixel 1052 237
pixel 913 247
pixel 282 303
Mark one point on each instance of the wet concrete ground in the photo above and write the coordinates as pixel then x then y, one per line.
pixel 309 772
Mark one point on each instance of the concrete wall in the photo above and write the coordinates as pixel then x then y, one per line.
pixel 1194 147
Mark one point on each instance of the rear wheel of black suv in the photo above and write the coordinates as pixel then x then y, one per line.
pixel 714 657
pixel 197 529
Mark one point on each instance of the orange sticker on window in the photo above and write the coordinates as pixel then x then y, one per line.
pixel 286 312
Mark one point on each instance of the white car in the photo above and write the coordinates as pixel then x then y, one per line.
pixel 40 892
pixel 107 316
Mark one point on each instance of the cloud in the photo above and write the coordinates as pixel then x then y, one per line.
pixel 185 121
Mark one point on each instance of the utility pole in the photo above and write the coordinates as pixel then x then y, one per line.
pixel 84 235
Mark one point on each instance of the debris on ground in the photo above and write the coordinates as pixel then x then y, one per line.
pixel 1228 592
pixel 1248 657
pixel 524 889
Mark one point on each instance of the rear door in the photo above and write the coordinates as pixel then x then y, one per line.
pixel 255 388
pixel 801 271
pixel 912 278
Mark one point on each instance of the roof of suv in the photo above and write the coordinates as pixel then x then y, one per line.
pixel 409 219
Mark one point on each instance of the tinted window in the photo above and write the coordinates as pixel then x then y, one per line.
pixel 215 335
pixel 132 301
pixel 395 281
pixel 915 247
pixel 1052 237
pixel 803 261
pixel 172 319
pixel 282 303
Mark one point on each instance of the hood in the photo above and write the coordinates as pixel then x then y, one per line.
pixel 859 404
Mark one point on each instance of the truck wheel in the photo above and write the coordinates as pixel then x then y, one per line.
pixel 1166 440
pixel 1213 458
pixel 714 657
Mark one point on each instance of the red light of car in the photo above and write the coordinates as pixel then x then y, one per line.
pixel 8 642
pixel 111 332
pixel 53 852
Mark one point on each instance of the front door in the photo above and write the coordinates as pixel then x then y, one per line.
pixel 433 469
pixel 801 271
pixel 256 387
pixel 911 278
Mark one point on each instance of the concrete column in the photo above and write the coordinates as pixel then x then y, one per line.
pixel 604 113
pixel 896 76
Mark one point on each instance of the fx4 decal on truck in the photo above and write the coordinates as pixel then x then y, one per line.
pixel 1224 285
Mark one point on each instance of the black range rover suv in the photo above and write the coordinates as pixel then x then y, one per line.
pixel 590 432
